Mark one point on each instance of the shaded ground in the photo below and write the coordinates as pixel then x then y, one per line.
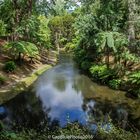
pixel 25 69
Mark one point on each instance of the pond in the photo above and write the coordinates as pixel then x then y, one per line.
pixel 63 94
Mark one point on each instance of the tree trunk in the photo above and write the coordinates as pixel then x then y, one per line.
pixel 57 41
pixel 107 60
pixel 16 19
pixel 107 55
pixel 30 7
pixel 19 58
pixel 131 19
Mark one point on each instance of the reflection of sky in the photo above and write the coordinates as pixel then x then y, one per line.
pixel 62 104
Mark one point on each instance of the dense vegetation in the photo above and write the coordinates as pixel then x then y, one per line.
pixel 71 131
pixel 108 43
pixel 103 35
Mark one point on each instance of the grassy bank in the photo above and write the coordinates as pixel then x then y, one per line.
pixel 22 84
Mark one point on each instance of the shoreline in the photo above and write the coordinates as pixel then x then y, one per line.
pixel 22 84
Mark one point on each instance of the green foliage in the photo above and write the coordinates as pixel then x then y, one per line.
pixel 70 47
pixel 102 73
pixel 105 39
pixel 130 81
pixel 134 81
pixel 114 43
pixel 115 83
pixel 127 56
pixel 80 55
pixel 101 27
pixel 43 34
pixel 24 23
pixel 97 70
pixel 135 78
pixel 2 28
pixel 26 48
pixel 97 16
pixel 86 64
pixel 114 40
pixel 1 126
pixel 59 7
pixel 73 130
pixel 63 41
pixel 3 80
pixel 62 31
pixel 9 66
pixel 115 134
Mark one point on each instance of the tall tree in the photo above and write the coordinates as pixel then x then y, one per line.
pixel 131 19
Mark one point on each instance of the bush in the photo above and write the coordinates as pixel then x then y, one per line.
pixel 10 66
pixel 85 65
pixel 134 78
pixel 115 83
pixel 69 47
pixel 102 73
pixel 2 80
pixel 115 133
pixel 21 47
pixel 79 55
pixel 134 83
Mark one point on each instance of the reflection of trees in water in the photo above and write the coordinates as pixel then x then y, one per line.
pixel 82 83
pixel 76 86
pixel 26 111
pixel 103 111
pixel 60 83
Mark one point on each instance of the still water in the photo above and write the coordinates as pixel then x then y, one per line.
pixel 63 94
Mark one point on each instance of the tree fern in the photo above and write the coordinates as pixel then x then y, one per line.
pixel 22 47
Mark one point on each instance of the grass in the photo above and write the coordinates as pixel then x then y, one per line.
pixel 3 80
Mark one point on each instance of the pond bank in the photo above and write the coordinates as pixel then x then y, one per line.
pixel 24 81
pixel 21 85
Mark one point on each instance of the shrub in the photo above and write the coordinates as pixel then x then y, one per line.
pixel 115 83
pixel 10 66
pixel 134 81
pixel 115 133
pixel 69 47
pixel 134 78
pixel 85 65
pixel 2 80
pixel 79 55
pixel 22 47
pixel 102 73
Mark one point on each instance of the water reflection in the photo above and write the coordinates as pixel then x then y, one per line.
pixel 59 96
pixel 64 95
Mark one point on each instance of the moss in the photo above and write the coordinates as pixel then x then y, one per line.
pixel 3 80
pixel 29 80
